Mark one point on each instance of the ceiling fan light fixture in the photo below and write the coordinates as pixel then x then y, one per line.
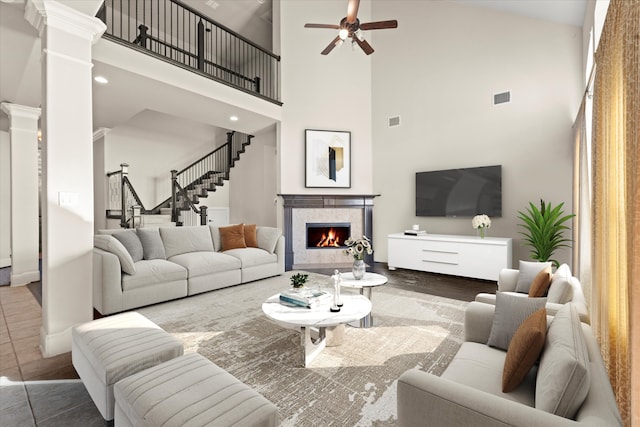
pixel 359 34
pixel 343 34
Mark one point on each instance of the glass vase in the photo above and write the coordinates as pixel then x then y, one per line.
pixel 482 232
pixel 358 269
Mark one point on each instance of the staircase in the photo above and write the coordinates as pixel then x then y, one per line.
pixel 188 186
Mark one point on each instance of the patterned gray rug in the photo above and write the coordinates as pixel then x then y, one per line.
pixel 353 384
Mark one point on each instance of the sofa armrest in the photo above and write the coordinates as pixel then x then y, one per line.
pixel 507 280
pixel 422 397
pixel 478 319
pixel 279 251
pixel 107 282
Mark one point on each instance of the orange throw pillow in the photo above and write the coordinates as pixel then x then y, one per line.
pixel 232 237
pixel 250 235
pixel 541 283
pixel 524 349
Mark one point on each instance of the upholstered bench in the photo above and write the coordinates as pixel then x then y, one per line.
pixel 106 350
pixel 189 391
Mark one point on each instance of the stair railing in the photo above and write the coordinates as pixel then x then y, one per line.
pixel 173 31
pixel 123 197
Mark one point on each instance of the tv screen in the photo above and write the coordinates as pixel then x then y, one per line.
pixel 460 192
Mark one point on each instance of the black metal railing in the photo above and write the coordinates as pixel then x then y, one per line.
pixel 123 200
pixel 175 32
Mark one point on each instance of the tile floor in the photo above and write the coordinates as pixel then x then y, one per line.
pixel 32 392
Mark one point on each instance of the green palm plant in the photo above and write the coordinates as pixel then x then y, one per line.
pixel 544 229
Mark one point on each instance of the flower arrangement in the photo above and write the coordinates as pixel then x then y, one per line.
pixel 358 247
pixel 298 280
pixel 481 223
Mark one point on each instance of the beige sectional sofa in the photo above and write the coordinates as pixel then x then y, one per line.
pixel 568 386
pixel 138 267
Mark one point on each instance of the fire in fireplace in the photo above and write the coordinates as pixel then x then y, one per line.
pixel 327 235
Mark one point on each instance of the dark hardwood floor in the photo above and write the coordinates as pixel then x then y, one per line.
pixel 460 288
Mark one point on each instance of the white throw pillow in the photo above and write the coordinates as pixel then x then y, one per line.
pixel 152 247
pixel 563 379
pixel 511 311
pixel 560 290
pixel 111 244
pixel 268 238
pixel 131 242
pixel 527 271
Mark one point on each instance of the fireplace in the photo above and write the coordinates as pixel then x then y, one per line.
pixel 327 235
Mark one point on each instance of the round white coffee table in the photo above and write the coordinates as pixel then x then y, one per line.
pixel 369 281
pixel 319 318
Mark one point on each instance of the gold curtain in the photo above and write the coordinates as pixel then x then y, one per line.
pixel 616 203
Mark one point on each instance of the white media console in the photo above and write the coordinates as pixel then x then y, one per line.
pixel 466 256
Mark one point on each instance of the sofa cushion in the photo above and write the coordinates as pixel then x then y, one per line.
pixel 480 367
pixel 524 349
pixel 563 375
pixel 131 242
pixel 232 237
pixel 152 272
pixel 203 263
pixel 527 271
pixel 560 289
pixel 540 283
pixel 250 257
pixel 180 240
pixel 268 238
pixel 250 236
pixel 152 247
pixel 111 244
pixel 510 312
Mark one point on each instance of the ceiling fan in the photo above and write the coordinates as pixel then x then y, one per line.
pixel 350 27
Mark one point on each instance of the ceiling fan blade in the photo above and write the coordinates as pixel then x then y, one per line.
pixel 331 45
pixel 352 11
pixel 331 26
pixel 364 45
pixel 379 25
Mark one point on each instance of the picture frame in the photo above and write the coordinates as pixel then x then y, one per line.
pixel 327 159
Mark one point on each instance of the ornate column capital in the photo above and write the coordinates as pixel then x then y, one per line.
pixel 41 13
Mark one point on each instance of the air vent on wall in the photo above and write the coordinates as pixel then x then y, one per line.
pixel 394 121
pixel 501 98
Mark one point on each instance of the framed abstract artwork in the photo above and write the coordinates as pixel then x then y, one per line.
pixel 328 159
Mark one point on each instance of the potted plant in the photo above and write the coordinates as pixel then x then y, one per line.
pixel 544 229
pixel 298 280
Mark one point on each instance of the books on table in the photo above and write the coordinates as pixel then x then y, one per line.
pixel 308 298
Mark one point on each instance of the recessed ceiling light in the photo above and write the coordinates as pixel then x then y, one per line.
pixel 233 118
pixel 101 79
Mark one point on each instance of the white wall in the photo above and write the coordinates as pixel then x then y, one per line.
pixel 330 92
pixel 5 199
pixel 439 73
pixel 253 182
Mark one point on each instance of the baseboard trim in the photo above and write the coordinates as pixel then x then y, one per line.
pixel 55 344
pixel 25 278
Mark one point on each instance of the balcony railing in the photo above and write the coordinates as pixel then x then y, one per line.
pixel 179 34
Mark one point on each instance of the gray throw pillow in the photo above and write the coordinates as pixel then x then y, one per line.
pixel 511 311
pixel 152 247
pixel 528 270
pixel 268 238
pixel 110 244
pixel 563 379
pixel 131 242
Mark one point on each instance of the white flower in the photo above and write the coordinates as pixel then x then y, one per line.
pixel 481 221
pixel 357 247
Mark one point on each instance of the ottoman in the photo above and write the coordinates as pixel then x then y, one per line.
pixel 106 350
pixel 189 391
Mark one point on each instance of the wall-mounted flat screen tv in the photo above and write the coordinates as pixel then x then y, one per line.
pixel 460 192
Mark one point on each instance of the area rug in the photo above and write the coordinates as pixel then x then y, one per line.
pixel 353 384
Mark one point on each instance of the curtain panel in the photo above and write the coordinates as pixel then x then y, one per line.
pixel 616 203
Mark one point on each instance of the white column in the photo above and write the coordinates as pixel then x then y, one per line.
pixel 5 199
pixel 67 187
pixel 100 180
pixel 25 244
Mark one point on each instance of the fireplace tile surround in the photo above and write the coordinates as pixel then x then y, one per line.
pixel 302 208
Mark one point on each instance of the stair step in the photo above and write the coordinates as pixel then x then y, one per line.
pixel 156 219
